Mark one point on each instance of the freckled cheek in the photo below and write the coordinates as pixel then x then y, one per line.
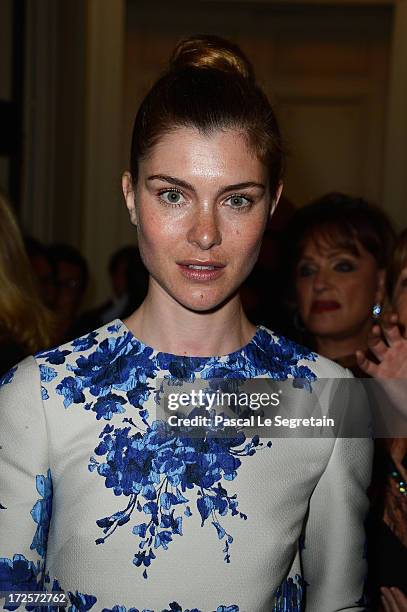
pixel 155 235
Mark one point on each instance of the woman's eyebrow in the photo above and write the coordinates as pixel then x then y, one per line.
pixel 180 183
pixel 245 185
pixel 172 180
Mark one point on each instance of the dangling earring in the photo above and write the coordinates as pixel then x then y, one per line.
pixel 376 310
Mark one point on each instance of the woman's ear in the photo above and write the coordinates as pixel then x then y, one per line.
pixel 276 199
pixel 129 196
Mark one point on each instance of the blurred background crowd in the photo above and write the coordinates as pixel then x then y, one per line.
pixel 334 258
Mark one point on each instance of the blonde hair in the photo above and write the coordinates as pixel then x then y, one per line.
pixel 23 317
pixel 398 262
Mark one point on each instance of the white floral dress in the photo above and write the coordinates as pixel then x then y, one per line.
pixel 97 501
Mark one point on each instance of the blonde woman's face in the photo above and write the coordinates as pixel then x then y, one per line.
pixel 201 206
pixel 400 297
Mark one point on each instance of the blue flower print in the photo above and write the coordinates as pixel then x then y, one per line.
pixel 8 376
pixel 54 357
pixel 140 390
pixel 71 390
pixel 121 363
pixel 289 596
pixel 20 574
pixel 84 343
pixel 180 368
pixel 173 607
pixel 41 513
pixel 230 370
pixel 107 405
pixel 265 355
pixel 81 602
pixel 112 364
pixel 163 477
pixel 115 326
pixel 278 357
pixel 156 469
pixel 46 373
pixel 123 609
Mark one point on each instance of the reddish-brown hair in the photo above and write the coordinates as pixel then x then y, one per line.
pixel 210 86
pixel 343 221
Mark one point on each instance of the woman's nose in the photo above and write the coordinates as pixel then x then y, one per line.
pixel 321 281
pixel 205 232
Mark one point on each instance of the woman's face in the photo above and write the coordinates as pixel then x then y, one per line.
pixel 201 205
pixel 336 288
pixel 400 297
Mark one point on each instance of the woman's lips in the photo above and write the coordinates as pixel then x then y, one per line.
pixel 324 306
pixel 201 271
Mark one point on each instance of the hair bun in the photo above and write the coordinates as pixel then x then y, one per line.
pixel 214 52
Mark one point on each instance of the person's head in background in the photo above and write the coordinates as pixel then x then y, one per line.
pixel 339 248
pixel 23 318
pixel 257 292
pixel 128 274
pixel 44 270
pixel 397 279
pixel 71 279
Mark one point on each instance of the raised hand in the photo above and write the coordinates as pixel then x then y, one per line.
pixel 389 347
pixel 393 600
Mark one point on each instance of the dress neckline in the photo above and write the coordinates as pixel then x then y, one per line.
pixel 241 351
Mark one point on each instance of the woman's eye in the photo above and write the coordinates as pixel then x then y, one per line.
pixel 239 201
pixel 172 197
pixel 344 266
pixel 305 269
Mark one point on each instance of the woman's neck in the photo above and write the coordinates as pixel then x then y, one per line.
pixel 335 347
pixel 164 324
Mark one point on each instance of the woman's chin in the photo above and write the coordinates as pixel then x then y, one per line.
pixel 325 331
pixel 324 324
pixel 203 302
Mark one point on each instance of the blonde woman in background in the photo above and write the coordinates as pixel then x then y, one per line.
pixel 25 324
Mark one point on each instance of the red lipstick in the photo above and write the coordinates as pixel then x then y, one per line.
pixel 319 306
